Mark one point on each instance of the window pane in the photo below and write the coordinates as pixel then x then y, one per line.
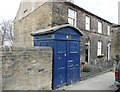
pixel 71 13
pixel 72 17
pixel 70 21
pixel 108 51
pixel 87 23
pixel 75 15
pixel 99 49
pixel 108 30
pixel 99 27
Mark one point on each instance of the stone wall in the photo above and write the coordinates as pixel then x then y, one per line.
pixel 115 42
pixel 26 68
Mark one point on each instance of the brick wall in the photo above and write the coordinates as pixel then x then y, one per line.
pixel 26 68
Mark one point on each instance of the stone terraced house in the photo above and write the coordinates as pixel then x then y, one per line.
pixel 32 16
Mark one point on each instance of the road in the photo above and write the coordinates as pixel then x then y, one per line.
pixel 101 82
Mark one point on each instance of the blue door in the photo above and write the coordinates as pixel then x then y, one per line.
pixel 59 73
pixel 73 62
pixel 66 63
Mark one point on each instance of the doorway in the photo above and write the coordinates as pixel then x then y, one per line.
pixel 87 52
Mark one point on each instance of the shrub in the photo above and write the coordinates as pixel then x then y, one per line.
pixel 86 69
pixel 101 55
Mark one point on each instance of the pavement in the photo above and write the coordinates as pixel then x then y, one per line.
pixel 104 81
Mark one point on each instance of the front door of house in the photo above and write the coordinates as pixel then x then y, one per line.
pixel 87 52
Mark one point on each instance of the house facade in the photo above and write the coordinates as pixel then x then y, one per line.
pixel 96 38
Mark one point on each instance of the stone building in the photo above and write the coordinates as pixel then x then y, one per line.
pixel 115 41
pixel 116 36
pixel 33 16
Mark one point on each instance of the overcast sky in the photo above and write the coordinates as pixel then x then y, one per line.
pixel 107 9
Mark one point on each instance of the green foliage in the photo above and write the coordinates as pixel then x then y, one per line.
pixel 86 69
pixel 101 55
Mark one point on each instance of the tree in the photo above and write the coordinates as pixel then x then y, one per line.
pixel 6 32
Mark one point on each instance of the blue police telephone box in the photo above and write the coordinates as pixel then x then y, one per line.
pixel 65 42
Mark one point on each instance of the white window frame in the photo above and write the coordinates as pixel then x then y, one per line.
pixel 87 23
pixel 108 30
pixel 72 17
pixel 108 50
pixel 99 48
pixel 99 27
